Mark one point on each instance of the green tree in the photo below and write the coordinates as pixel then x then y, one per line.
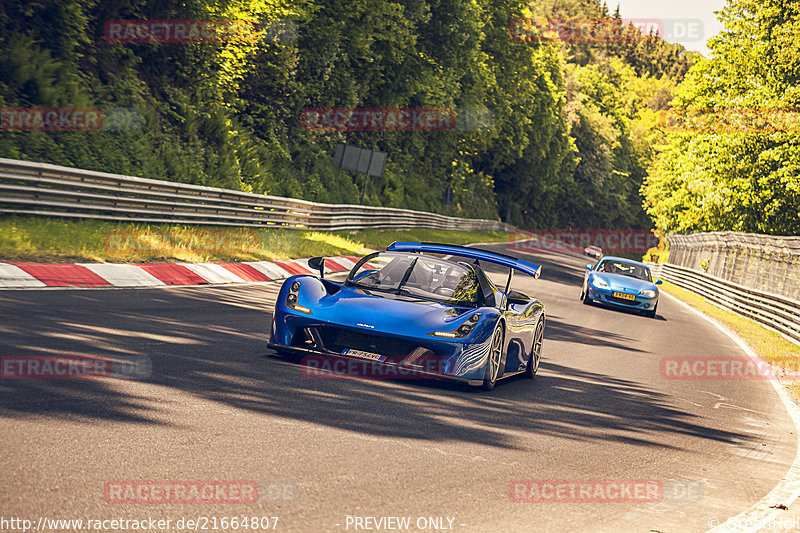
pixel 736 178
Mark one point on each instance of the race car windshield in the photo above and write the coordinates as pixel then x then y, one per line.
pixel 624 268
pixel 419 276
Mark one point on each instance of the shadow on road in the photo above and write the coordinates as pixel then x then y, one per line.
pixel 210 343
pixel 564 331
pixel 624 311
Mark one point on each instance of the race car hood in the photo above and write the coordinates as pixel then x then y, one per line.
pixel 352 308
pixel 621 282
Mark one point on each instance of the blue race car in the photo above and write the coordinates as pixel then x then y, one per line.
pixel 407 311
pixel 621 283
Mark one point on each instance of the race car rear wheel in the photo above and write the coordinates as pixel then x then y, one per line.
pixel 493 361
pixel 536 350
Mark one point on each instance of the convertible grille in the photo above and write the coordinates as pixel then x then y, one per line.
pixel 337 339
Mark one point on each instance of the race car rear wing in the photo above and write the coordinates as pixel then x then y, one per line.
pixel 470 253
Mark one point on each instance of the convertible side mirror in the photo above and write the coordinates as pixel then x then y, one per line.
pixel 659 282
pixel 318 263
pixel 517 298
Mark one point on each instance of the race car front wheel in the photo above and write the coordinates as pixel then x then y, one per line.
pixel 493 361
pixel 585 296
pixel 536 350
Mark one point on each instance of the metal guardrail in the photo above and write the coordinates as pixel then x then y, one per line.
pixel 772 310
pixel 42 189
pixel 765 262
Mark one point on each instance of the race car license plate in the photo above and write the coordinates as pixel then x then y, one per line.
pixel 624 296
pixel 363 355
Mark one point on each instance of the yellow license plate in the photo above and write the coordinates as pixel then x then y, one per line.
pixel 624 296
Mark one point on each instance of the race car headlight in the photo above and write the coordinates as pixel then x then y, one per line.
pixel 462 331
pixel 599 283
pixel 291 299
pixel 648 294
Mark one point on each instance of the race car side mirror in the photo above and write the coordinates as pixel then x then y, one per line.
pixel 318 263
pixel 517 298
pixel 588 267
pixel 658 282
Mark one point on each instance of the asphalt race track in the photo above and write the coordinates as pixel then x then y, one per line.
pixel 219 406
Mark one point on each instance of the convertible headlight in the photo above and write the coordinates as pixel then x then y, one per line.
pixel 462 331
pixel 599 283
pixel 648 294
pixel 291 299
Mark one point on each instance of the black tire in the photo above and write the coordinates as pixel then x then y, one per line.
pixel 652 314
pixel 585 296
pixel 495 356
pixel 536 350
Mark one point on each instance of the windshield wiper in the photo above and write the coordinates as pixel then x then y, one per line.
pixel 406 275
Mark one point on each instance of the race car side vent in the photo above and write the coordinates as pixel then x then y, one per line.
pixel 308 338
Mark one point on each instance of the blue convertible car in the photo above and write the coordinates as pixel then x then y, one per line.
pixel 437 316
pixel 621 283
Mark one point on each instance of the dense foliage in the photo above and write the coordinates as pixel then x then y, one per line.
pixel 569 145
pixel 739 168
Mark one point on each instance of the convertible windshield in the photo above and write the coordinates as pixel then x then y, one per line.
pixel 420 276
pixel 624 268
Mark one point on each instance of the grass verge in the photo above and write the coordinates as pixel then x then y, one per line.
pixel 54 240
pixel 769 345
